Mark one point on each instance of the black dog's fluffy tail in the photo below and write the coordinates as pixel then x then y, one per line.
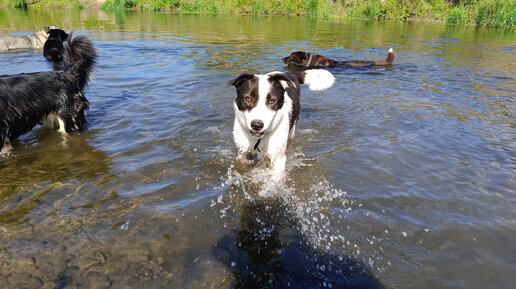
pixel 79 60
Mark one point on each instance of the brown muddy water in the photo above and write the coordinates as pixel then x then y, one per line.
pixel 399 177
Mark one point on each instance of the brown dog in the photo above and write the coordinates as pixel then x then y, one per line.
pixel 306 59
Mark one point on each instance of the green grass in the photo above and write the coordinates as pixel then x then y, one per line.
pixel 117 5
pixel 199 6
pixel 458 15
pixel 39 4
pixel 493 13
pixel 164 5
pixel 485 13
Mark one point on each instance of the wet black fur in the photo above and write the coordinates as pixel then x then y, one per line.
pixel 301 59
pixel 27 98
pixel 53 48
pixel 246 85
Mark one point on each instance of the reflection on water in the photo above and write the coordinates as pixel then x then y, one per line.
pixel 399 177
pixel 268 252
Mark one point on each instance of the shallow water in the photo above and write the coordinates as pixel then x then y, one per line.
pixel 399 177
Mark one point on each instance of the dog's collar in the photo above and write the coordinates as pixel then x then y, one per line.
pixel 256 148
pixel 309 60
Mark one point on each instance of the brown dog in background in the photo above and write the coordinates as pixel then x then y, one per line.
pixel 306 59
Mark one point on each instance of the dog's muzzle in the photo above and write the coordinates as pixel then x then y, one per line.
pixel 257 134
pixel 256 127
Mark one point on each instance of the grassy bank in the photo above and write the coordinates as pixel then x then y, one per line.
pixel 487 13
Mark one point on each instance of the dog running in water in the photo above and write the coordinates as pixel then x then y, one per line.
pixel 267 109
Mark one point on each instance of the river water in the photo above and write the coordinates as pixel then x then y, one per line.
pixel 398 177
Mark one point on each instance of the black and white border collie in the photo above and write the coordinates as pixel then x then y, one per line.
pixel 266 110
pixel 51 98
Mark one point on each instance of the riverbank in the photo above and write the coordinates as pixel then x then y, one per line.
pixel 485 13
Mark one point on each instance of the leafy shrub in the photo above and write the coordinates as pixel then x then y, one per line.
pixel 20 4
pixel 457 15
pixel 158 5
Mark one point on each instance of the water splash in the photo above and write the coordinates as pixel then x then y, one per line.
pixel 318 213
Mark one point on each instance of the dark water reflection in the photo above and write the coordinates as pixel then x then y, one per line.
pixel 399 177
pixel 267 252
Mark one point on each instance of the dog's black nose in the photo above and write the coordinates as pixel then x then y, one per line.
pixel 256 125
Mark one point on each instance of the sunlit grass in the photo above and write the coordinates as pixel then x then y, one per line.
pixel 493 13
pixel 487 13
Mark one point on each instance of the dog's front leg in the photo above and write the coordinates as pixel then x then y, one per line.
pixel 277 153
pixel 242 157
pixel 6 146
pixel 242 140
pixel 278 164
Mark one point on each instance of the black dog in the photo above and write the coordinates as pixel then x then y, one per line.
pixel 51 98
pixel 53 48
pixel 309 60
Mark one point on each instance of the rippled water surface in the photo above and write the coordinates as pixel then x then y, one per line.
pixel 398 177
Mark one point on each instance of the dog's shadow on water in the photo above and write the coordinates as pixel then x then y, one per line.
pixel 267 251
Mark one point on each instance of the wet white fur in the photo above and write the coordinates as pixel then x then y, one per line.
pixel 54 122
pixel 318 79
pixel 276 123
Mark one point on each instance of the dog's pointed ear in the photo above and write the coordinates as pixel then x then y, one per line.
pixel 64 35
pixel 240 79
pixel 282 80
pixel 302 55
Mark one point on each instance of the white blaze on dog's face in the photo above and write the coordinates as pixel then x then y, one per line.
pixel 259 100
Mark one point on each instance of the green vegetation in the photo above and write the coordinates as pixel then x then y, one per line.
pixel 311 8
pixel 487 13
pixel 117 5
pixel 20 4
pixel 39 4
pixel 496 13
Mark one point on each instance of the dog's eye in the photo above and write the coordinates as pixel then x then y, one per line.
pixel 271 101
pixel 247 99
